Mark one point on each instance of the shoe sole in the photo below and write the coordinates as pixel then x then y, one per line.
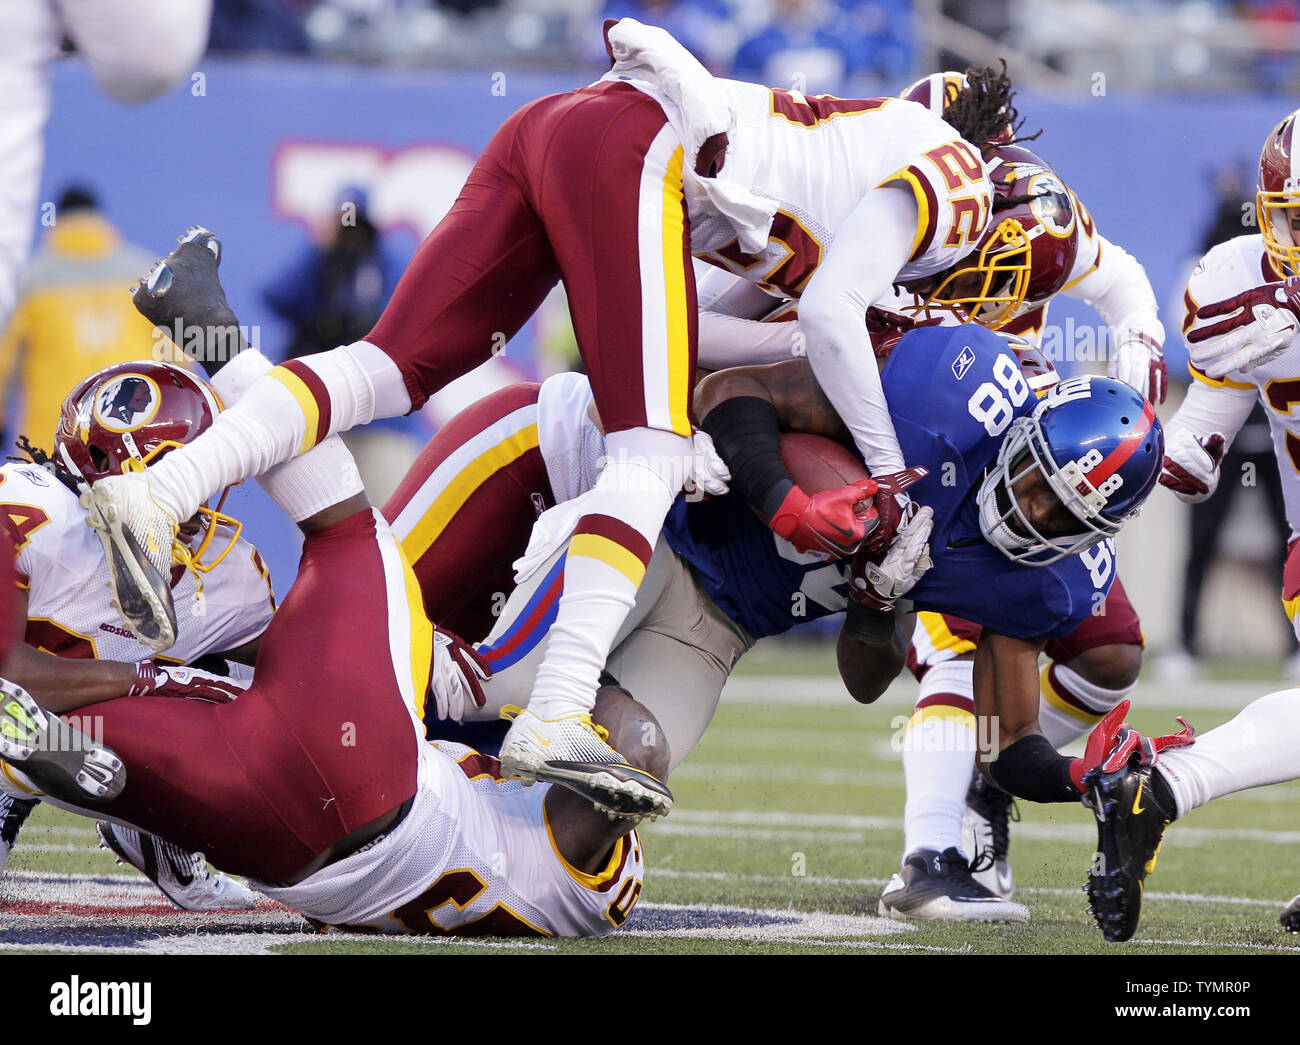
pixel 136 592
pixel 62 761
pixel 942 910
pixel 607 792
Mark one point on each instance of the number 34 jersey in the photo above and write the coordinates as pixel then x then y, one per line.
pixel 62 565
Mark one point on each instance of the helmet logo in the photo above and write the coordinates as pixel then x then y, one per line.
pixel 127 402
pixel 1051 205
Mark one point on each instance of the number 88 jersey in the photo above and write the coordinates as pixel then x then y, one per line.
pixel 954 393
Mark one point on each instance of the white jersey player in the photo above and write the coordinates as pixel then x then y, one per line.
pixel 475 856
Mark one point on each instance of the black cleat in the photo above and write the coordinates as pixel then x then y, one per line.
pixel 1131 824
pixel 987 825
pixel 13 813
pixel 62 761
pixel 620 790
pixel 938 886
pixel 1291 916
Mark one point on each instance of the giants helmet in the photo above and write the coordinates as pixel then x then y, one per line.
pixel 126 416
pixel 1098 445
pixel 936 93
pixel 1278 194
pixel 1026 256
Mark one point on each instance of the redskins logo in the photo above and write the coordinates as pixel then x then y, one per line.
pixel 1051 204
pixel 127 402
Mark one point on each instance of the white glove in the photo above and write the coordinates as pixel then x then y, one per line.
pixel 1247 346
pixel 905 562
pixel 708 471
pixel 457 676
pixel 1139 361
pixel 1191 467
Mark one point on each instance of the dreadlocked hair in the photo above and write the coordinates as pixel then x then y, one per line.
pixel 35 455
pixel 1007 202
pixel 982 110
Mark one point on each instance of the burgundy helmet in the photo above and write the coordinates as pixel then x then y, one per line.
pixel 126 416
pixel 937 90
pixel 1277 194
pixel 1027 253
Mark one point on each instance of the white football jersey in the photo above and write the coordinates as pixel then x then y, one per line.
pixel 816 157
pixel 1227 269
pixel 474 856
pixel 62 564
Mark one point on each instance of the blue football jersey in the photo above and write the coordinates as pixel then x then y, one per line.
pixel 952 392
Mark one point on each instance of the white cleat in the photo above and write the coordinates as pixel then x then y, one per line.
pixel 574 752
pixel 183 877
pixel 934 886
pixel 986 831
pixel 137 534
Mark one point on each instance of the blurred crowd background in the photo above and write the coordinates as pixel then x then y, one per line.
pixel 322 139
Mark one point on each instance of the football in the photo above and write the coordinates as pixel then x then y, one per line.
pixel 817 463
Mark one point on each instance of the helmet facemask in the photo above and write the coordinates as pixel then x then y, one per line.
pixel 1004 523
pixel 1275 211
pixel 990 286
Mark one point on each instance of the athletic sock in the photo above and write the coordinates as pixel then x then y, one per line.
pixel 301 486
pixel 1256 747
pixel 938 757
pixel 1069 706
pixel 606 561
pixel 292 408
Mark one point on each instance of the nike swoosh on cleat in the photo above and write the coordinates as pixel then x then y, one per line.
pixel 540 739
pixel 1137 799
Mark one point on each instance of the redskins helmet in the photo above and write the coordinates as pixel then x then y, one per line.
pixel 125 417
pixel 1278 194
pixel 936 93
pixel 1027 253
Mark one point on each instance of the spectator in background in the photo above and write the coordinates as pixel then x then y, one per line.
pixel 257 25
pixel 1251 453
pixel 816 45
pixel 74 316
pixel 332 295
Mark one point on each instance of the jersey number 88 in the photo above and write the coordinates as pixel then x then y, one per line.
pixel 995 406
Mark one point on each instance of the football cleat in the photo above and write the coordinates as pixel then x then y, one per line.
pixel 938 886
pixel 986 829
pixel 574 752
pixel 137 535
pixel 1291 916
pixel 13 812
pixel 183 877
pixel 184 286
pixel 1131 824
pixel 58 759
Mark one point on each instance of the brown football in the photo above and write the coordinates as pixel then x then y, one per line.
pixel 817 463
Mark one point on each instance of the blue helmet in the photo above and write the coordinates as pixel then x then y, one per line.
pixel 1097 445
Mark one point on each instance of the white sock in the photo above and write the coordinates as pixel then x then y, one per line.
pixel 1070 706
pixel 301 486
pixel 606 562
pixel 1257 747
pixel 938 758
pixel 278 417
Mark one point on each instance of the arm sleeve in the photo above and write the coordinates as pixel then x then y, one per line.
pixel 870 248
pixel 726 341
pixel 1208 410
pixel 137 49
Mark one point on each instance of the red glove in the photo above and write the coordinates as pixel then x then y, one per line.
pixel 1177 478
pixel 1113 742
pixel 1281 295
pixel 834 521
pixel 171 680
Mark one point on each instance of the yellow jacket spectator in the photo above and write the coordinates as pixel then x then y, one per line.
pixel 74 316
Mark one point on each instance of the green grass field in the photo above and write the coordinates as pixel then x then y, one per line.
pixel 789 822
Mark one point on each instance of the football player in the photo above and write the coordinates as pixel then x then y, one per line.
pixel 318 784
pixel 613 188
pixel 1144 788
pixel 73 650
